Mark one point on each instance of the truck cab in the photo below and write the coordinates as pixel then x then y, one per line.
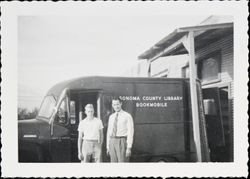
pixel 160 109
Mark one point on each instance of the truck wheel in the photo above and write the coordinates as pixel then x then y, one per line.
pixel 163 159
pixel 28 156
pixel 31 155
pixel 40 154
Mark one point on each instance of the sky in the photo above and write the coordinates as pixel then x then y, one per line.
pixel 54 48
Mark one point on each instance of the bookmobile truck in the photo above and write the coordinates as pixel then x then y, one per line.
pixel 160 107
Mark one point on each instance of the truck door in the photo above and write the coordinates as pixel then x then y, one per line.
pixel 214 123
pixel 60 134
pixel 74 122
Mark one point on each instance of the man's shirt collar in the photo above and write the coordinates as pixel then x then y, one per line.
pixel 119 112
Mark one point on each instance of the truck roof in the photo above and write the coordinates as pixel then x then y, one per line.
pixel 94 82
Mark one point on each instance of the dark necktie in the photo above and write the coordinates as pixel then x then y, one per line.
pixel 115 126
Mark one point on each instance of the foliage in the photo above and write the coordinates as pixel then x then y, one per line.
pixel 24 113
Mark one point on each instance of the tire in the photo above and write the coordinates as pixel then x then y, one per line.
pixel 31 156
pixel 163 159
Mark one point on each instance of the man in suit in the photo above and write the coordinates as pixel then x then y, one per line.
pixel 120 133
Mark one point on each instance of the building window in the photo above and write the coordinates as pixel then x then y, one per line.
pixel 185 72
pixel 209 68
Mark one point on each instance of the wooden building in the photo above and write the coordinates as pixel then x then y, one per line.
pixel 212 42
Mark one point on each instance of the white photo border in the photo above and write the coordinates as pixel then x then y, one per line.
pixel 10 166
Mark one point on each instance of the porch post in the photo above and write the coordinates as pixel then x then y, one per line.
pixel 149 68
pixel 193 90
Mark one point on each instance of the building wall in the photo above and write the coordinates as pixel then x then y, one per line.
pixel 170 66
pixel 225 45
pixel 140 69
pixel 227 62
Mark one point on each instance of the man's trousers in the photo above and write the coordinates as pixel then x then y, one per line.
pixel 117 149
pixel 91 149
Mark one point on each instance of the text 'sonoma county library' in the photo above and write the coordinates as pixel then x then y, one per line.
pixel 213 51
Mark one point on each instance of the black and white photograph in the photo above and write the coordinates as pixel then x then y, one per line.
pixel 124 89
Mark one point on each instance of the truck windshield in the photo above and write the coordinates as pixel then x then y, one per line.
pixel 47 107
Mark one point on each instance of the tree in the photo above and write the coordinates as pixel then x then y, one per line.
pixel 33 113
pixel 23 113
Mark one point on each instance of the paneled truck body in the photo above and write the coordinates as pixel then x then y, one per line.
pixel 160 107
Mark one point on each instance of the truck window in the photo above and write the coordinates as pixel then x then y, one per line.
pixel 61 117
pixel 47 107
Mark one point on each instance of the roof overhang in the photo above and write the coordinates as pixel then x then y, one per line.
pixel 173 43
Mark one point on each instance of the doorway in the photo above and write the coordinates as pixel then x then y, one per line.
pixel 219 123
pixel 78 100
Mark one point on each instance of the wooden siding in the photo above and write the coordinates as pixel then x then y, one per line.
pixel 225 45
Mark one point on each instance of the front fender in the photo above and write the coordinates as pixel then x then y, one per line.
pixel 30 152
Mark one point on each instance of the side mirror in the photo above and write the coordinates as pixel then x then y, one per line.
pixel 72 119
pixel 209 107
